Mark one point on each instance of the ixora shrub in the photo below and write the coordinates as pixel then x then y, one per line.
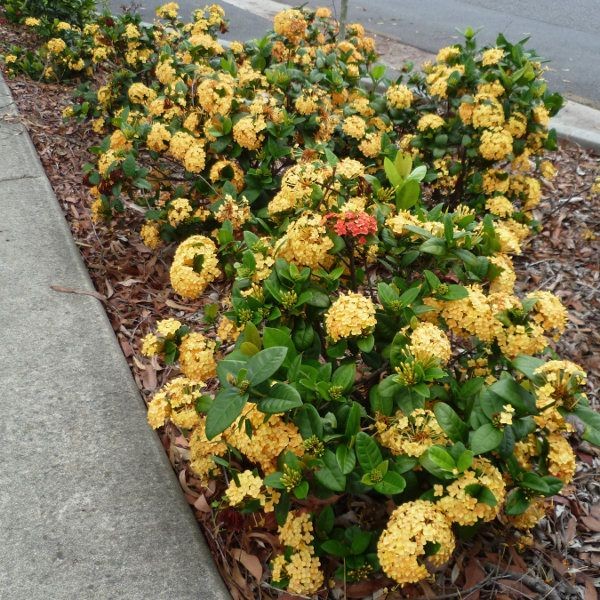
pixel 76 12
pixel 369 374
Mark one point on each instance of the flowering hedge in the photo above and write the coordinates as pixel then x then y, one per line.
pixel 368 350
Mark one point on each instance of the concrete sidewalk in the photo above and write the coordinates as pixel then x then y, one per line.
pixel 89 504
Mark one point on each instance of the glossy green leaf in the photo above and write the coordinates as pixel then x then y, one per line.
pixel 367 451
pixel 225 409
pixel 485 439
pixel 264 364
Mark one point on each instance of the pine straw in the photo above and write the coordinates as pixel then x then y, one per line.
pixel 563 560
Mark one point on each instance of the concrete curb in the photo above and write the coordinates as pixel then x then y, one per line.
pixel 89 504
pixel 579 124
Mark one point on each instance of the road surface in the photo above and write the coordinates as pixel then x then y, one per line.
pixel 565 32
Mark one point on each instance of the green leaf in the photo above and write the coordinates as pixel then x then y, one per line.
pixel 331 158
pixel 318 298
pixel 410 295
pixel 366 343
pixel 301 490
pixel 464 461
pixel 248 348
pixel 393 483
pixel 325 520
pixel 377 72
pixel 330 475
pixel 367 451
pixel 591 419
pixel 485 439
pixel 527 365
pixel 554 484
pixel 438 461
pixel 455 292
pixel 353 421
pixel 335 548
pixel 346 459
pixel 408 195
pixel 229 367
pixel 273 336
pixel 516 502
pixel 360 540
pixel 454 427
pixel 435 246
pixel 418 173
pixel 282 398
pixel 344 376
pixel 264 364
pixel 282 508
pixel 403 163
pixel 534 482
pixel 487 497
pixel 392 173
pixel 129 166
pixel 274 480
pixel 251 334
pixel 514 394
pixel 225 409
pixel 309 422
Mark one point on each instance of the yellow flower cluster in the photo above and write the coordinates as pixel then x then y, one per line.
pixel 56 45
pixel 187 279
pixel 237 212
pixel 250 486
pixel 492 56
pixel 461 507
pixel 430 121
pixel 399 96
pixel 487 113
pixel 221 169
pixel 303 568
pixel 268 440
pixel 561 458
pixel 297 186
pixel 535 512
pixel 495 144
pixel 150 234
pixel 354 126
pixel 179 211
pixel 413 528
pixel 158 138
pixel 561 380
pixel 290 24
pixel 168 11
pixel 196 357
pixel 306 243
pixel 176 401
pixel 350 315
pixel 138 93
pixel 195 158
pixel 398 222
pixel 411 435
pixel 428 342
pixel 202 450
pixel 500 206
pixel 468 316
pixel 548 311
pixel 246 132
pixel 227 330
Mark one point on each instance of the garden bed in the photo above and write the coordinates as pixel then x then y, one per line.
pixel 133 284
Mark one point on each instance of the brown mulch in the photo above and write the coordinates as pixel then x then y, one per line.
pixel 563 560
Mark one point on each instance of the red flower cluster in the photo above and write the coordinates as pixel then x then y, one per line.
pixel 356 224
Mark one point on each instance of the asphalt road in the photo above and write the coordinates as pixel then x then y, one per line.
pixel 565 32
